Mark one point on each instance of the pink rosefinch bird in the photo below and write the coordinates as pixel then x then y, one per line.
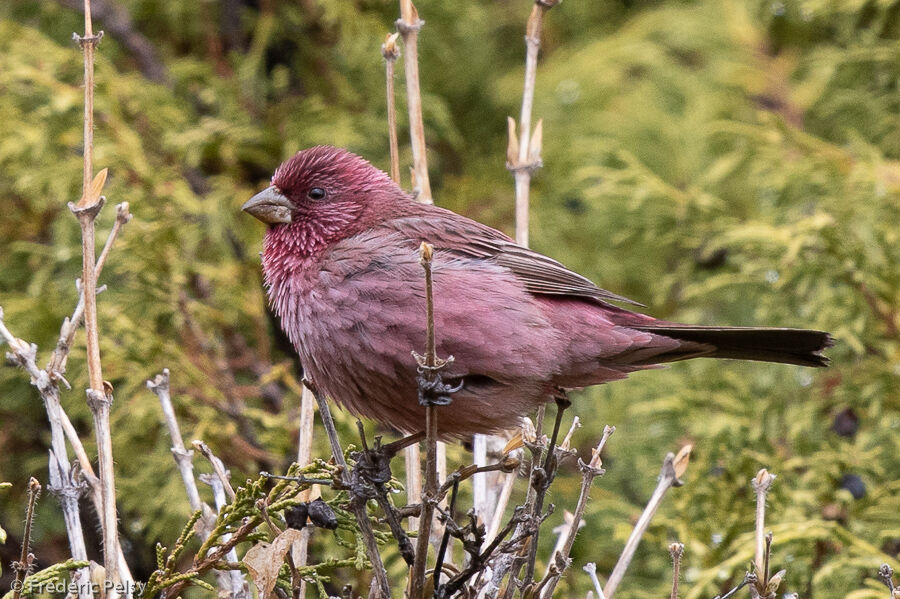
pixel 342 271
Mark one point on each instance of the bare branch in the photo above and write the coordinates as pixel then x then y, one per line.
pixel 57 365
pixel 409 25
pixel 673 466
pixel 26 558
pixel 62 478
pixel 589 471
pixel 183 457
pixel 761 484
pixel 99 395
pixel 381 587
pixel 524 152
pixel 676 550
pixel 591 569
pixel 391 52
pixel 218 466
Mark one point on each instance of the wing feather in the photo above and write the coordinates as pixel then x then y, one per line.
pixel 539 274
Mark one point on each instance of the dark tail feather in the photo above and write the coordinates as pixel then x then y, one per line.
pixel 787 346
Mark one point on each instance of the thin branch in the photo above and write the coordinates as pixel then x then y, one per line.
pixel 409 25
pixel 232 581
pixel 183 457
pixel 431 433
pixel 66 485
pixel 381 586
pixel 761 484
pixel 57 364
pixel 676 550
pixel 26 558
pixel 503 500
pixel 118 22
pixel 442 549
pixel 99 396
pixel 886 576
pixel 591 569
pixel 63 481
pixel 589 471
pixel 218 466
pixel 749 578
pixel 413 462
pixel 391 52
pixel 669 476
pixel 523 155
pixel 541 481
pixel 304 456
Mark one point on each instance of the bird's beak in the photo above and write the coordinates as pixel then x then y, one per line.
pixel 269 206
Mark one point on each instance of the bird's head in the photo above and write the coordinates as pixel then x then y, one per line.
pixel 325 193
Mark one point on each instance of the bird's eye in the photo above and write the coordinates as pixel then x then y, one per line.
pixel 316 193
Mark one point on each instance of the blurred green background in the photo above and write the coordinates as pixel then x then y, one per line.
pixel 722 162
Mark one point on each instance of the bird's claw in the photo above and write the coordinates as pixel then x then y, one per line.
pixel 433 391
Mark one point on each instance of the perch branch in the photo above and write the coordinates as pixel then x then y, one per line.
pixel 431 433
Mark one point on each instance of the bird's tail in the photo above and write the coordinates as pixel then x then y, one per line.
pixel 787 346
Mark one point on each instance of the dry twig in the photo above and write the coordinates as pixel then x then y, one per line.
pixel 232 582
pixel 673 468
pixel 391 52
pixel 676 550
pixel 304 456
pixel 523 154
pixel 99 394
pixel 64 482
pixel 761 484
pixel 26 558
pixel 409 24
pixel 381 586
pixel 589 471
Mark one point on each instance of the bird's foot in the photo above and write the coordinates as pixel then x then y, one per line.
pixel 433 391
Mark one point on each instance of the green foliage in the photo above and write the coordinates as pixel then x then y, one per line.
pixel 733 162
pixel 57 573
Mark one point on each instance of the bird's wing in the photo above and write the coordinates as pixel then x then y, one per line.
pixel 540 275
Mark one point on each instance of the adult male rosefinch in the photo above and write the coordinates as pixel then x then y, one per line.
pixel 342 271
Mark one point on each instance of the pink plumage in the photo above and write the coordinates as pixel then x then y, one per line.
pixel 343 275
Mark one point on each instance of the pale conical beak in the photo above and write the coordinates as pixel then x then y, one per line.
pixel 269 206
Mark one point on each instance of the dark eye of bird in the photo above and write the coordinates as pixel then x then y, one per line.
pixel 316 193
